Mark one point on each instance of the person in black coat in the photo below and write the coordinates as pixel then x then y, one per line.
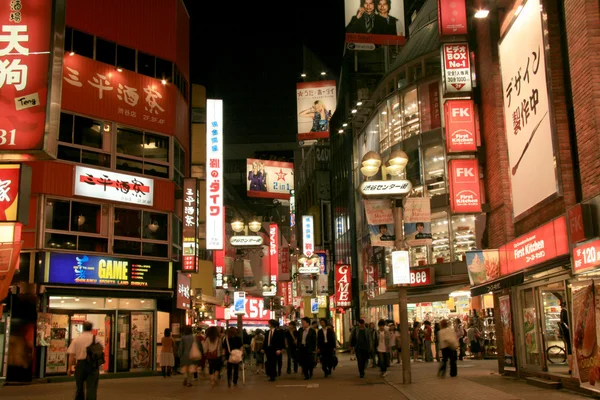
pixel 364 20
pixel 385 24
pixel 326 344
pixel 307 347
pixel 232 341
pixel 291 342
pixel 272 348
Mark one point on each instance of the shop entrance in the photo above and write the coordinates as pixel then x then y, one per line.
pixel 555 344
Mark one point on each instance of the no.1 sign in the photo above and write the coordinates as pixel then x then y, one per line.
pixel 586 256
pixel 421 276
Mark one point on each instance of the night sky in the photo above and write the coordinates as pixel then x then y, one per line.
pixel 250 55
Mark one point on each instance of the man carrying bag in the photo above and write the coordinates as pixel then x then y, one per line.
pixel 87 354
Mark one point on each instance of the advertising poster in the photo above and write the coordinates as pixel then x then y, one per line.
pixel 239 301
pixel 457 68
pixel 483 266
pixel 375 22
pixel 527 117
pixel 452 17
pixel 417 221
pixel 507 331
pixel 269 179
pixel 141 345
pixel 59 341
pixel 316 102
pixel 44 327
pixel 530 329
pixel 400 268
pixel 314 305
pixel 465 190
pixel 460 126
pixel 381 222
pixel 585 347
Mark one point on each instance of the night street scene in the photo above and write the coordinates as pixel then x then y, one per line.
pixel 392 199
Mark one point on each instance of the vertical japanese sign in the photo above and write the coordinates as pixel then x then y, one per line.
pixel 465 193
pixel 527 119
pixel 308 232
pixel 191 204
pixel 452 17
pixel 29 105
pixel 220 270
pixel 284 260
pixel 214 177
pixel 274 249
pixel 507 331
pixel 184 281
pixel 343 290
pixel 316 103
pixel 417 221
pixel 460 126
pixel 456 66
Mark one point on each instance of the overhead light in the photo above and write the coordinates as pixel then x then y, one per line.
pixel 76 298
pixel 359 103
pixel 62 301
pixel 119 69
pixel 142 301
pixel 519 9
pixel 93 302
pixel 323 73
pixel 109 300
pixel 303 75
pixel 384 113
pixel 341 131
pixel 164 81
pixel 344 125
pixel 354 111
pixel 72 53
pixel 483 13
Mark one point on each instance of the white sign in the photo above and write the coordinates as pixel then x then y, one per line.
pixel 214 175
pixel 272 290
pixel 361 46
pixel 240 241
pixel 400 268
pixel 532 171
pixel 108 185
pixel 308 235
pixel 309 269
pixel 386 188
pixel 457 68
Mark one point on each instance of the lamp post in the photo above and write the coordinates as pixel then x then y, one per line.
pixel 238 226
pixel 396 164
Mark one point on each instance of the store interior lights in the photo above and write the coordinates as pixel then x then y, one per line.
pixel 460 293
pixel 482 13
pixel 354 111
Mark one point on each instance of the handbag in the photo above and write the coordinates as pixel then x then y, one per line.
pixel 195 351
pixel 235 356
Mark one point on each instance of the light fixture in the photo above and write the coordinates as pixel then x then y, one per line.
pixel 354 111
pixel 109 300
pixel 62 301
pixel 153 226
pixel 93 302
pixel 76 298
pixel 384 113
pixel 237 225
pixel 371 159
pixel 164 81
pixel 518 10
pixel 344 124
pixel 255 225
pixel 303 75
pixel 341 131
pixel 119 69
pixel 302 259
pixel 392 169
pixel 323 73
pixel 369 171
pixel 72 53
pixel 483 13
pixel 398 158
pixel 142 301
pixel 359 103
pixel 80 220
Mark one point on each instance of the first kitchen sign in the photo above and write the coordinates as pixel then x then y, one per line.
pixel 108 185
pixel 457 68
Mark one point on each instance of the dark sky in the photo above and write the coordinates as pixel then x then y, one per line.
pixel 250 55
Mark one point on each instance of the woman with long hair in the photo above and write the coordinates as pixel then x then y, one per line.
pixel 232 342
pixel 213 348
pixel 188 362
pixel 320 116
pixel 167 359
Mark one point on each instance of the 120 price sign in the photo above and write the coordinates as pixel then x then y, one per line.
pixel 586 256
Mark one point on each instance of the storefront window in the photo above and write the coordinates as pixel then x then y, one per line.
pixel 176 241
pixel 440 248
pixel 418 256
pixel 463 239
pixel 142 152
pixel 397 118
pixel 411 123
pixel 141 233
pixel 82 140
pixel 435 170
pixel 178 163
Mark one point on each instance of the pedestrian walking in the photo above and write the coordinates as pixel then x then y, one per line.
pixel 474 335
pixel 326 347
pixel 257 345
pixel 372 351
pixel 234 354
pixel 167 359
pixel 189 354
pixel 436 331
pixel 416 340
pixel 461 335
pixel 85 358
pixel 397 344
pixel 361 344
pixel 382 342
pixel 427 338
pixel 213 348
pixel 272 348
pixel 291 345
pixel 306 338
pixel 448 343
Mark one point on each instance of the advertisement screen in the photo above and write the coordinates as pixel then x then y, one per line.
pixel 316 103
pixel 375 21
pixel 269 179
pixel 239 301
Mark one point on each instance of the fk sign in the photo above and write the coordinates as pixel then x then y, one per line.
pixel 465 194
pixel 460 126
pixel 342 285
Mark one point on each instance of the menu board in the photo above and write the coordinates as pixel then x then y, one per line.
pixel 59 342
pixel 141 343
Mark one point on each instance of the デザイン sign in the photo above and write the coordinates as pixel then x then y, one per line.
pixel 108 185
pixel 343 289
pixel 457 68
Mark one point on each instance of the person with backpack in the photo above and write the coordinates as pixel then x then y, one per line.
pixel 86 352
pixel 189 353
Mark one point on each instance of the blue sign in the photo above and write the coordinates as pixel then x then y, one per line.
pixel 323 261
pixel 314 306
pixel 81 269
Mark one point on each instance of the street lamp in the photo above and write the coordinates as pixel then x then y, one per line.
pixel 396 164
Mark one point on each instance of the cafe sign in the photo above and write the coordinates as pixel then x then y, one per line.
pixel 385 188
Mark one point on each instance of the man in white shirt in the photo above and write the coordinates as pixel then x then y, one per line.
pixel 85 373
pixel 382 339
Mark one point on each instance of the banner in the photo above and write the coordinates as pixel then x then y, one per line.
pixel 527 118
pixel 343 289
pixel 465 191
pixel 269 179
pixel 380 220
pixel 483 266
pixel 585 342
pixel 460 126
pixel 417 221
pixel 316 102
pixel 530 329
pixel 507 331
pixel 215 221
pixel 375 22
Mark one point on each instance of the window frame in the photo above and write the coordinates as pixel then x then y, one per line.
pixel 143 160
pixel 82 148
pixel 141 239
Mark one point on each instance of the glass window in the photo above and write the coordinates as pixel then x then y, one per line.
pixel 58 241
pixel 137 225
pixel 155 250
pixel 413 169
pixel 176 231
pixel 130 142
pixel 66 128
pixel 88 132
pixel 435 170
pixel 125 164
pixel 152 149
pixel 106 51
pixel 440 248
pixel 78 131
pixel 98 245
pixel 418 255
pixel 155 226
pixel 126 58
pixel 128 222
pixel 396 119
pixel 85 217
pixel 127 247
pixel 463 231
pixel 145 64
pixel 161 171
pixel 83 44
pixel 178 163
pixel 384 129
pixel 164 69
pixel 156 147
pixel 411 124
pixel 57 214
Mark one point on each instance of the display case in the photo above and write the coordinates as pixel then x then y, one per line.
pixel 463 235
pixel 418 256
pixel 490 348
pixel 435 170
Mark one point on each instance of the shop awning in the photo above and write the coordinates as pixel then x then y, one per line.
pixel 437 293
pixel 498 284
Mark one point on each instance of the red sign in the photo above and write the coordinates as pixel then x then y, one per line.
pixel 452 17
pixel 219 264
pixel 343 290
pixel 421 276
pixel 191 204
pixel 465 194
pixel 460 126
pixel 580 223
pixel 9 259
pixel 586 256
pixel 285 263
pixel 25 54
pixel 389 40
pixel 290 294
pixel 254 307
pixel 10 198
pixel 100 90
pixel 457 68
pixel 540 245
pixel 274 250
pixel 184 282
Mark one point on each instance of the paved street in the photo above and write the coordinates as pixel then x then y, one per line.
pixel 477 380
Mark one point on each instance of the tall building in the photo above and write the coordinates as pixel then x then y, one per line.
pixel 103 242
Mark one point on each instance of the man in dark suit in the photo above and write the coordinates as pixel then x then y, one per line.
pixel 307 347
pixel 385 24
pixel 291 344
pixel 326 343
pixel 273 347
pixel 364 20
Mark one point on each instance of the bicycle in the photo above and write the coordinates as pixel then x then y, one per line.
pixel 556 354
